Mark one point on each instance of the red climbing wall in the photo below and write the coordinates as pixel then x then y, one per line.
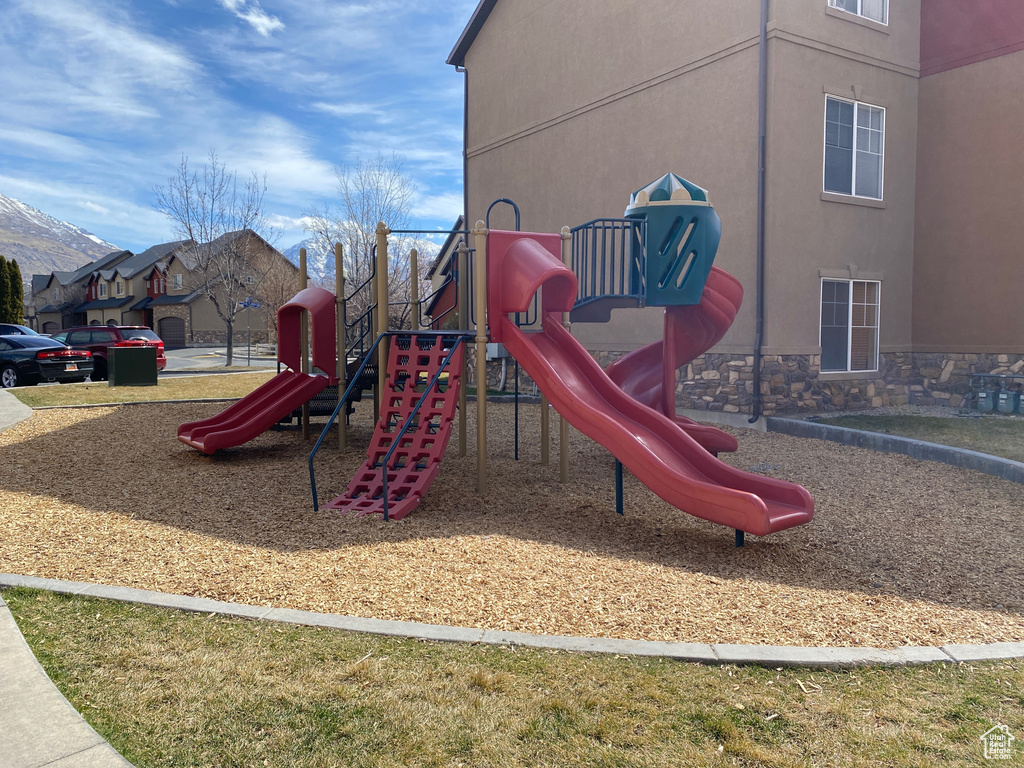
pixel 413 361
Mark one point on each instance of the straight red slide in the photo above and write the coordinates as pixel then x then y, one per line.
pixel 649 373
pixel 654 448
pixel 254 414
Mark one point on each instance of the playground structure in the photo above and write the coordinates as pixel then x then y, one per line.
pixel 524 293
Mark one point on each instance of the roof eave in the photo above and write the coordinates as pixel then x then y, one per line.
pixel 457 58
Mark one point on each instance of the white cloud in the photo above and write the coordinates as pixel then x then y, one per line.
pixel 91 206
pixel 446 206
pixel 253 14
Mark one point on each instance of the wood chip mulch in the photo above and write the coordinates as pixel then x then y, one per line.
pixel 901 552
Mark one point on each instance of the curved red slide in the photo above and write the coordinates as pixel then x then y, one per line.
pixel 654 448
pixel 648 374
pixel 254 414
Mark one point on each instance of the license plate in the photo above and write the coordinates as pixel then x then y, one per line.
pixel 71 366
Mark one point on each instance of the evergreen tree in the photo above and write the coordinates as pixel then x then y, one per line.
pixel 16 302
pixel 5 290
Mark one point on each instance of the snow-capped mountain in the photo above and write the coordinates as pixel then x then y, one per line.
pixel 42 244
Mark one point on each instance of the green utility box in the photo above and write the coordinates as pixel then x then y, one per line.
pixel 131 366
pixel 682 236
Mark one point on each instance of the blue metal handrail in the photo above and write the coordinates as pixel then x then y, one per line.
pixel 343 400
pixel 609 259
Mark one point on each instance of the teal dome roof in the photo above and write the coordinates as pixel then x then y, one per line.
pixel 669 189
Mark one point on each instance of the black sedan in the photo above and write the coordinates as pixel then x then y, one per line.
pixel 33 359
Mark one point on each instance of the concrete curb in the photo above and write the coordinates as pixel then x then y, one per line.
pixel 38 726
pixel 916 449
pixel 703 653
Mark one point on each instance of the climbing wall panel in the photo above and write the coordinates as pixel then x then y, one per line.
pixel 414 361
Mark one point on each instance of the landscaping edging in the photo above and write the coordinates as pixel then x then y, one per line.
pixel 704 653
pixel 916 449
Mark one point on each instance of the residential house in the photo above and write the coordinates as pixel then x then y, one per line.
pixel 159 289
pixel 892 176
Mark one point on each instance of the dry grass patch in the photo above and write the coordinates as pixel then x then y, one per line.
pixel 172 689
pixel 175 388
pixel 995 435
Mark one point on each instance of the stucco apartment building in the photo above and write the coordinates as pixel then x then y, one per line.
pixel 157 288
pixel 893 201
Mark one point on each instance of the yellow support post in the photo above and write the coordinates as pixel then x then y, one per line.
pixel 414 289
pixel 480 291
pixel 383 321
pixel 339 326
pixel 304 339
pixel 462 297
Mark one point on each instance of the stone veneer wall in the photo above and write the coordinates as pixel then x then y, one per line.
pixel 790 384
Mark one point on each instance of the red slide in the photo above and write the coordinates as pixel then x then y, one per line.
pixel 649 373
pixel 654 448
pixel 254 414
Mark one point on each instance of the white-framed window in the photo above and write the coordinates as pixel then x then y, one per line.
pixel 176 280
pixel 56 294
pixel 119 287
pixel 876 10
pixel 849 325
pixel 103 289
pixel 854 148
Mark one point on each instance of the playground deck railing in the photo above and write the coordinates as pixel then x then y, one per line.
pixel 608 257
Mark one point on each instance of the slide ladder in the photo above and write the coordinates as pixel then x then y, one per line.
pixel 421 393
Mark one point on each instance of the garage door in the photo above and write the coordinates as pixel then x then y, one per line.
pixel 172 331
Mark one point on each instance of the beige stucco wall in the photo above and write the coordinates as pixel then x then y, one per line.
pixel 571 121
pixel 571 111
pixel 810 234
pixel 969 268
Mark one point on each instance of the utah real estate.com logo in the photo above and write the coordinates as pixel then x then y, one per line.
pixel 998 742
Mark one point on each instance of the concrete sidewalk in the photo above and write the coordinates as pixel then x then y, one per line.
pixel 38 726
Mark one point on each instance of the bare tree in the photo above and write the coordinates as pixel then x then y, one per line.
pixel 369 192
pixel 220 219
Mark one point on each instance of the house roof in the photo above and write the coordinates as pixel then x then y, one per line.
pixel 443 256
pixel 104 304
pixel 142 304
pixel 132 266
pixel 167 299
pixel 39 282
pixel 457 58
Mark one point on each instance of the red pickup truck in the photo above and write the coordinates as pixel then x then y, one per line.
pixel 99 338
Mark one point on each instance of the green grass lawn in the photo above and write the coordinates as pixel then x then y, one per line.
pixel 175 388
pixel 999 436
pixel 175 689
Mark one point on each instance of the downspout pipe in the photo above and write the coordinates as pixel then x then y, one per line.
pixel 465 145
pixel 762 110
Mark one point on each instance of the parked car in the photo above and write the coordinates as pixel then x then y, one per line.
pixel 26 360
pixel 13 329
pixel 98 339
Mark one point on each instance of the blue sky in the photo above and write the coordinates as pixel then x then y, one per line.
pixel 101 99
